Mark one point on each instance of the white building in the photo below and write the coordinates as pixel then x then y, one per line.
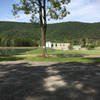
pixel 76 47
pixel 58 46
pixel 49 44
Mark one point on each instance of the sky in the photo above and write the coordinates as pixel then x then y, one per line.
pixel 80 10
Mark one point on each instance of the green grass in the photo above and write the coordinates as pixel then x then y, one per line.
pixel 37 51
pixel 55 52
pixel 9 52
pixel 11 58
pixel 97 48
pixel 53 59
pixel 58 59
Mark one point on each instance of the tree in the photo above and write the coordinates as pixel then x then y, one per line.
pixel 41 10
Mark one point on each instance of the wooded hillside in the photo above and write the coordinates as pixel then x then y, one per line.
pixel 28 34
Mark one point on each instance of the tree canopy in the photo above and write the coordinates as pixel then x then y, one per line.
pixel 55 9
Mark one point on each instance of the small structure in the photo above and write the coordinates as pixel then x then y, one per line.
pixel 61 46
pixel 76 47
pixel 48 44
pixel 58 46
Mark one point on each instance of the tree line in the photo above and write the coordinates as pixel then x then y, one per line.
pixel 28 34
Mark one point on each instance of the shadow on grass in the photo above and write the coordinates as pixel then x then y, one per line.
pixel 60 81
pixel 69 55
pixel 11 58
pixel 92 59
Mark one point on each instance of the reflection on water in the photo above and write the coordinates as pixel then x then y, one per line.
pixel 12 51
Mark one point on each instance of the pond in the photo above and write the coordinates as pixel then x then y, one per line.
pixel 9 51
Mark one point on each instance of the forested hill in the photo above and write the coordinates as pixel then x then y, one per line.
pixel 74 30
pixel 16 33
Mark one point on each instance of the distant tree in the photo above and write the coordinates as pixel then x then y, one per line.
pixel 40 9
pixel 83 42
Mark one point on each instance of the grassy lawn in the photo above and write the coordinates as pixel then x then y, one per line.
pixel 55 52
pixel 54 59
pixel 58 59
pixel 38 51
pixel 7 54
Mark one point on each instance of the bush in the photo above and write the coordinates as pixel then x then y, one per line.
pixel 89 47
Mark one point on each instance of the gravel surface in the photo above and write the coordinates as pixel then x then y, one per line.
pixel 27 80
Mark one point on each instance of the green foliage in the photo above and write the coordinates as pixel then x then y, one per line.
pixel 73 31
pixel 55 9
pixel 90 47
pixel 28 34
pixel 19 34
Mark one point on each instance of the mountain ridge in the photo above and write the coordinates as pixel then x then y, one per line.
pixel 22 32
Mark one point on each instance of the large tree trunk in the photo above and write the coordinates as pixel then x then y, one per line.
pixel 43 39
pixel 43 24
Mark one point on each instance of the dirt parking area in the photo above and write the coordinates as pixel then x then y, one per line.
pixel 24 80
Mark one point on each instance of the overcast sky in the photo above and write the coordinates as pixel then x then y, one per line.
pixel 80 10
